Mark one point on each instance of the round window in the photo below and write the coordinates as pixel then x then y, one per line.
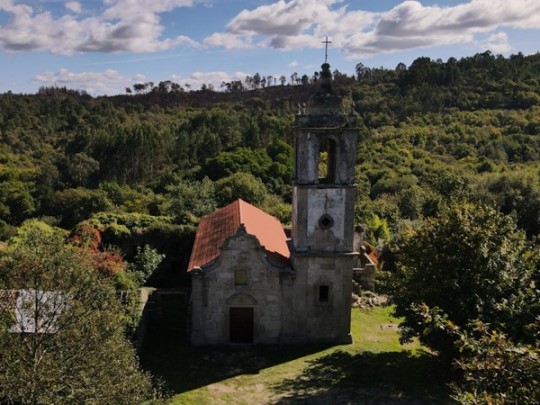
pixel 326 222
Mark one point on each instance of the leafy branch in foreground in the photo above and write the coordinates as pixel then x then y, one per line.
pixel 495 370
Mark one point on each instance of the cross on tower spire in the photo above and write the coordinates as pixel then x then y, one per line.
pixel 326 42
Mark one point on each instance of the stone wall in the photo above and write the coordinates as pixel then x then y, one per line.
pixel 214 293
pixel 311 205
pixel 327 321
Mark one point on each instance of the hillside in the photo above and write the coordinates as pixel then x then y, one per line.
pixel 433 131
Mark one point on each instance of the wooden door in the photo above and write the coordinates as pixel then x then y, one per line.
pixel 241 324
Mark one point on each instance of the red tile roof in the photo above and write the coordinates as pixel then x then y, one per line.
pixel 215 228
pixel 372 253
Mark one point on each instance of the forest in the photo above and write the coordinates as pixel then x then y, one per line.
pixel 157 160
pixel 126 179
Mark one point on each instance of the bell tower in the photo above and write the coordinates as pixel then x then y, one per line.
pixel 324 193
pixel 324 188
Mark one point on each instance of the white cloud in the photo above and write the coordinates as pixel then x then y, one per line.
pixel 124 25
pixel 136 26
pixel 185 40
pixel 298 23
pixel 295 24
pixel 139 78
pixel 228 41
pixel 96 83
pixel 293 64
pixel 285 18
pixel 412 25
pixel 496 43
pixel 135 10
pixel 73 6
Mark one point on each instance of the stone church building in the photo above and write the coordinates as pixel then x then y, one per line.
pixel 250 283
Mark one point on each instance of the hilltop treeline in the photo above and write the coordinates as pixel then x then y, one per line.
pixel 429 132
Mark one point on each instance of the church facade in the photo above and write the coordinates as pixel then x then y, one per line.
pixel 252 285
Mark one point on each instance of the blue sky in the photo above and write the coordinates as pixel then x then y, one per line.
pixel 103 46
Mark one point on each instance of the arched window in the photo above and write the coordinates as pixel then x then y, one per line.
pixel 327 161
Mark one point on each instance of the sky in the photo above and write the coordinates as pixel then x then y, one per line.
pixel 104 46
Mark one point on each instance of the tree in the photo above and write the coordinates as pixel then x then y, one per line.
pixel 233 86
pixel 294 78
pixel 190 198
pixel 239 160
pixel 378 230
pixel 139 87
pixel 256 80
pixel 410 202
pixel 144 263
pixel 78 204
pixel 470 263
pixel 16 201
pixel 81 168
pixel 79 353
pixel 163 87
pixel 519 194
pixel 176 88
pixel 401 67
pixel 240 185
pixel 362 72
pixel 107 260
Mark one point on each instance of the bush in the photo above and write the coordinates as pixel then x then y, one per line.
pixel 470 263
pixel 495 370
pixel 144 263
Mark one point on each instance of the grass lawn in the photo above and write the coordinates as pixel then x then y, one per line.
pixel 374 369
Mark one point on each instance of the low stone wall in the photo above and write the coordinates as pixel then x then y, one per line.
pixel 158 310
pixel 368 299
pixel 365 277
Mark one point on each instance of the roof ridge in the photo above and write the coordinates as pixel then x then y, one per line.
pixel 240 201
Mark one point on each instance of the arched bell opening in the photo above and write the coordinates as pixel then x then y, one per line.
pixel 327 161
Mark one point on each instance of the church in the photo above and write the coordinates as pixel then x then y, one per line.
pixel 253 285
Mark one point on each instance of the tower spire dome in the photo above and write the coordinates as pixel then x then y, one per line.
pixel 325 74
pixel 325 107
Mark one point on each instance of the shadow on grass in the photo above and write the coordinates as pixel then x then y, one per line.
pixel 368 378
pixel 182 367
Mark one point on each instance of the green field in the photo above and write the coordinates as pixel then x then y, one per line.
pixel 375 369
